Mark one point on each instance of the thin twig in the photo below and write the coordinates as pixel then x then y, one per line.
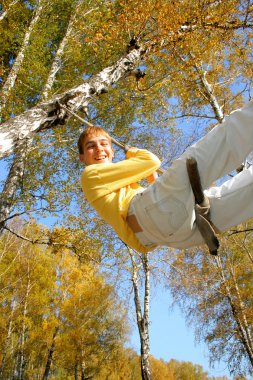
pixel 49 242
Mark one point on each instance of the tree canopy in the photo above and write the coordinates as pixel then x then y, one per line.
pixel 196 58
pixel 155 74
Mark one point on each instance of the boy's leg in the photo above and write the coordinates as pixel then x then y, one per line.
pixel 231 203
pixel 225 147
pixel 166 208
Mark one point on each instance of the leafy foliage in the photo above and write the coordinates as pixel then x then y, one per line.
pixel 148 110
pixel 198 66
pixel 216 296
pixel 45 294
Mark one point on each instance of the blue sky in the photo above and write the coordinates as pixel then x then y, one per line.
pixel 171 338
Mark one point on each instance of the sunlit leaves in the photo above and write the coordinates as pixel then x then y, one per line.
pixel 45 293
pixel 184 40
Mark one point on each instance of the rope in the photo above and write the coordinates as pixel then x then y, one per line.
pixel 202 206
pixel 116 142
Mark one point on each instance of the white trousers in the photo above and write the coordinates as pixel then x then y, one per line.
pixel 165 210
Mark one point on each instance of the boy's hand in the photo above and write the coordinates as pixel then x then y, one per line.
pixel 132 149
pixel 152 177
pixel 131 152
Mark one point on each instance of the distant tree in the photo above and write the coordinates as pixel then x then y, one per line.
pixel 56 313
pixel 140 271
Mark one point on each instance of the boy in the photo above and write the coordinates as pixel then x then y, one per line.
pixel 163 214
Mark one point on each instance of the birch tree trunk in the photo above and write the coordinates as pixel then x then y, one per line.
pixel 22 360
pixel 49 114
pixel 76 372
pixel 4 354
pixel 10 81
pixel 4 14
pixel 13 180
pixel 57 63
pixel 238 313
pixel 17 134
pixel 145 347
pixel 50 356
pixel 21 151
pixel 208 91
pixel 142 317
pixel 83 371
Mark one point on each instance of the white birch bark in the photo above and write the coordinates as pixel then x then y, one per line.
pixel 146 370
pixel 4 354
pixel 4 14
pixel 11 79
pixel 142 318
pixel 23 333
pixel 17 169
pixel 59 54
pixel 13 181
pixel 21 151
pixel 47 115
pixel 210 94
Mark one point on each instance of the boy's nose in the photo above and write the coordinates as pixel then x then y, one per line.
pixel 99 147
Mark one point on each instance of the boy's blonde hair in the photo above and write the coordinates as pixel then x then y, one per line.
pixel 91 131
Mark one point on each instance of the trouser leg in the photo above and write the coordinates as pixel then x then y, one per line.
pixel 231 203
pixel 218 153
pixel 166 209
pixel 225 147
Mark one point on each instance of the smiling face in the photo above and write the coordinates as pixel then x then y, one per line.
pixel 97 149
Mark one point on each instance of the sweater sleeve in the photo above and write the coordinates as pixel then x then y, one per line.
pixel 101 179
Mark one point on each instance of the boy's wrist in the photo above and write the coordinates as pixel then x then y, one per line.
pixel 131 151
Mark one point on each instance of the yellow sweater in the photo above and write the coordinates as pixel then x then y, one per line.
pixel 109 188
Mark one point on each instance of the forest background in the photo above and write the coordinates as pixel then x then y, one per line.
pixel 155 74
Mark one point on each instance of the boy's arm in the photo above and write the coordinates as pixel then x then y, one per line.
pixel 101 179
pixel 152 177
